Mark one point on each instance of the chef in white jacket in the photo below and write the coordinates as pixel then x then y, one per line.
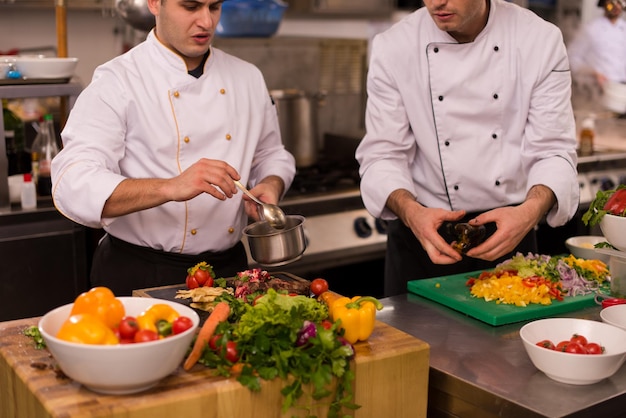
pixel 152 148
pixel 468 119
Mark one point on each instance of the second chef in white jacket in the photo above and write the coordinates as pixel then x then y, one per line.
pixel 152 148
pixel 468 118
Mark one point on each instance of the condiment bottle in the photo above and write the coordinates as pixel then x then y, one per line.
pixel 28 193
pixel 44 149
pixel 587 134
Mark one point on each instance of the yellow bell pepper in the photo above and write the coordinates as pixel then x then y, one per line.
pixel 357 316
pixel 86 329
pixel 150 318
pixel 100 302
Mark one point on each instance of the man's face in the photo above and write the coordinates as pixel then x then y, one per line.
pixel 186 27
pixel 613 8
pixel 462 19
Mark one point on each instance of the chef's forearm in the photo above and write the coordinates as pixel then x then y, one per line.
pixel 540 199
pixel 276 183
pixel 398 202
pixel 133 195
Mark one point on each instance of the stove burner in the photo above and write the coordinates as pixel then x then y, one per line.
pixel 323 178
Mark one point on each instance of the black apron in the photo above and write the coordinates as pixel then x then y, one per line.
pixel 407 260
pixel 124 267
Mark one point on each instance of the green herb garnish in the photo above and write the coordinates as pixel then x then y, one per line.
pixel 33 332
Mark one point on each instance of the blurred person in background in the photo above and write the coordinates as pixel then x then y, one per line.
pixel 598 51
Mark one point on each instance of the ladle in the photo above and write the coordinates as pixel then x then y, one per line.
pixel 271 213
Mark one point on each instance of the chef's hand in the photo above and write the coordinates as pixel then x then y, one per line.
pixel 268 190
pixel 424 223
pixel 512 223
pixel 214 177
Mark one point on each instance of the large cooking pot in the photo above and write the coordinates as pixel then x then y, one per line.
pixel 276 247
pixel 297 115
pixel 136 14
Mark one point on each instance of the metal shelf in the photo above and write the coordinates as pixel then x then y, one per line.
pixel 70 89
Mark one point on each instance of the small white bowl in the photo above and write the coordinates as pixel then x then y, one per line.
pixel 123 368
pixel 45 67
pixel 575 369
pixel 613 228
pixel 614 315
pixel 583 247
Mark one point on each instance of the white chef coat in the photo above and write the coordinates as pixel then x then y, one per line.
pixel 144 116
pixel 469 126
pixel 600 46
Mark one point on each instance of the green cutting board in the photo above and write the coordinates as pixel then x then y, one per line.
pixel 452 292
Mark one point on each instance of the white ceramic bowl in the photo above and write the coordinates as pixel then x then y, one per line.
pixel 45 67
pixel 583 247
pixel 123 368
pixel 575 369
pixel 614 315
pixel 613 228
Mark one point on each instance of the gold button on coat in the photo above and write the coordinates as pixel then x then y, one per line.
pixel 176 94
pixel 228 137
pixel 222 91
pixel 194 232
pixel 186 139
pixel 231 230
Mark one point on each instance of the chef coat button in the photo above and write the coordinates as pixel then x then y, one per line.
pixel 495 48
pixel 456 187
pixel 222 91
pixel 228 137
pixel 231 230
pixel 497 182
pixel 494 136
pixel 441 98
pixel 194 232
pixel 447 143
pixel 186 139
pixel 176 94
pixel 495 96
pixel 436 50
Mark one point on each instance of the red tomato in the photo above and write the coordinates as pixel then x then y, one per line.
pixel 191 282
pixel 546 344
pixel 577 338
pixel 562 346
pixel 181 324
pixel 594 348
pixel 145 335
pixel 128 327
pixel 232 354
pixel 319 286
pixel 326 324
pixel 214 342
pixel 575 348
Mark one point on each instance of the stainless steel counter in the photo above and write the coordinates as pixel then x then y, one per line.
pixel 477 370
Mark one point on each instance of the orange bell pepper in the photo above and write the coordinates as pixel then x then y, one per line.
pixel 102 303
pixel 86 329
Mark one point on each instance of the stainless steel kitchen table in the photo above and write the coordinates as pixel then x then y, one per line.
pixel 478 370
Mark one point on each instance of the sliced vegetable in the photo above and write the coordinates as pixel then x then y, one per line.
pixel 220 314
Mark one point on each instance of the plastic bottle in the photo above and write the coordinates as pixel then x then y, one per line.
pixel 29 194
pixel 44 149
pixel 587 134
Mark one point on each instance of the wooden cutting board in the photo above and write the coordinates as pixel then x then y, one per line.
pixel 452 292
pixel 391 380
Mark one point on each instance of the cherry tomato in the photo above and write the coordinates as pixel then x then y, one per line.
pixel 319 286
pixel 214 342
pixel 181 324
pixel 128 327
pixel 145 335
pixel 546 344
pixel 232 354
pixel 594 348
pixel 575 348
pixel 562 346
pixel 326 324
pixel 191 282
pixel 577 338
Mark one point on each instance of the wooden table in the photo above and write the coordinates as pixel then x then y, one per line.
pixel 391 371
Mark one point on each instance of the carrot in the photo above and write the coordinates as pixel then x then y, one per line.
pixel 220 314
